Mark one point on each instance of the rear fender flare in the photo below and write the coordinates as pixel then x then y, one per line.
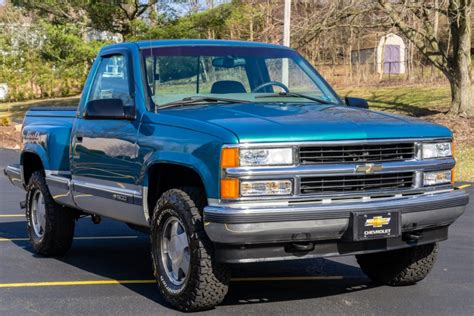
pixel 39 151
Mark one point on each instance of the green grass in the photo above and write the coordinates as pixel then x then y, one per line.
pixel 418 101
pixel 16 110
pixel 412 100
pixel 465 163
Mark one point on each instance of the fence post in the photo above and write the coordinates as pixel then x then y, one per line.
pixel 389 70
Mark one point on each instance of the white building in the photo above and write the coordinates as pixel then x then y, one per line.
pixel 386 52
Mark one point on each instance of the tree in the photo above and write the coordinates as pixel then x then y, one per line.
pixel 113 16
pixel 42 59
pixel 119 16
pixel 451 55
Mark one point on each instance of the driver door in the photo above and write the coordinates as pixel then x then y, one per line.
pixel 105 165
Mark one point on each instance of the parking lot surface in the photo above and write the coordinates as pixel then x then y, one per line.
pixel 108 272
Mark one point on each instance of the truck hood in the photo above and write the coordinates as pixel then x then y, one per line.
pixel 308 122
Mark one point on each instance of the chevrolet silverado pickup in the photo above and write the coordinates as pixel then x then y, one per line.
pixel 230 152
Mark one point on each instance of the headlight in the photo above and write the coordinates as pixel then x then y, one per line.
pixel 437 177
pixel 261 188
pixel 266 157
pixel 436 150
pixel 254 157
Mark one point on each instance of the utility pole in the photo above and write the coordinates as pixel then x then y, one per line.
pixel 286 23
pixel 286 40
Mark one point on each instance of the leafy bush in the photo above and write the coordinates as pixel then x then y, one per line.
pixel 43 59
pixel 5 121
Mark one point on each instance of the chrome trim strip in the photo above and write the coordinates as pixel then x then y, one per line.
pixel 59 179
pixel 106 183
pixel 212 201
pixel 105 188
pixel 57 173
pixel 145 204
pixel 60 182
pixel 336 169
pixel 331 198
pixel 131 196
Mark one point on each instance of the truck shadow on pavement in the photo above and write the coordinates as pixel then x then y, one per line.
pixel 129 259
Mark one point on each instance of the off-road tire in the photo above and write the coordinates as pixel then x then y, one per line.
pixel 207 281
pixel 399 267
pixel 59 221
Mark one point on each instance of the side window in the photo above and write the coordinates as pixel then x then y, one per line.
pixel 111 80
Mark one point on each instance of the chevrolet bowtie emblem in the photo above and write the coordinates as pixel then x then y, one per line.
pixel 368 168
pixel 377 221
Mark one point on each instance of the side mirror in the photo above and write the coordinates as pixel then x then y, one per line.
pixel 106 109
pixel 357 102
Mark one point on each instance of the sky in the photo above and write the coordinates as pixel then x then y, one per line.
pixel 183 6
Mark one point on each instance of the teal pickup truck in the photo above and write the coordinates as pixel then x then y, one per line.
pixel 235 152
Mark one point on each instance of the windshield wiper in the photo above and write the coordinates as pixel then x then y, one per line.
pixel 294 95
pixel 199 99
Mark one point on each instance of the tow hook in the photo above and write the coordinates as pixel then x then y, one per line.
pixel 300 247
pixel 96 219
pixel 412 237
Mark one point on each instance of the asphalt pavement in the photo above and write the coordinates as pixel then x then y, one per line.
pixel 108 272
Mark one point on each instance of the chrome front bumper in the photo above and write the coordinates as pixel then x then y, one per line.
pixel 258 224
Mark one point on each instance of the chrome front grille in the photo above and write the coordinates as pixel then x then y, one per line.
pixel 357 183
pixel 309 155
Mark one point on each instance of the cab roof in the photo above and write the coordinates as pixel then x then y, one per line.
pixel 196 42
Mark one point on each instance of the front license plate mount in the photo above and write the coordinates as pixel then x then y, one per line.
pixel 376 225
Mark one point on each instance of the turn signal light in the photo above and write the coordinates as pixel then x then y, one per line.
pixel 453 149
pixel 229 157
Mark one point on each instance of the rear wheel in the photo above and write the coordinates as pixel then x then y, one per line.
pixel 50 226
pixel 399 267
pixel 187 274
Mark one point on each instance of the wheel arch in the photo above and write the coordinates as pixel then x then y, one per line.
pixel 162 176
pixel 31 161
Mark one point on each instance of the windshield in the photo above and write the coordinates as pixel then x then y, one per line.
pixel 253 74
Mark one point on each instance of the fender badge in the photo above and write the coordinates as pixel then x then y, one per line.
pixel 120 197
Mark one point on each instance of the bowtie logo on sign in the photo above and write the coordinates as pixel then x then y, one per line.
pixel 377 221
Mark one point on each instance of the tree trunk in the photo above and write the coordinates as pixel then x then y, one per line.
pixel 251 27
pixel 456 66
pixel 462 85
pixel 462 94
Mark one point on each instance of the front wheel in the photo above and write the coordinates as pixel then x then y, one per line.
pixel 399 267
pixel 187 274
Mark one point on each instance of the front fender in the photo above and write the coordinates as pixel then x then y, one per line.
pixel 183 159
pixel 185 147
